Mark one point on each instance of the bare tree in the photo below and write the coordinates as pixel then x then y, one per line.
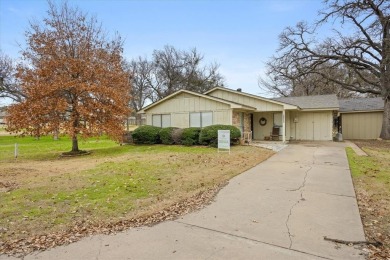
pixel 141 74
pixel 170 70
pixel 282 80
pixel 9 86
pixel 363 51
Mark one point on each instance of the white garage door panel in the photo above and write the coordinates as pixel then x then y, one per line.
pixel 314 126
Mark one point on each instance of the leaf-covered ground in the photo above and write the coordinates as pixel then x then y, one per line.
pixel 46 201
pixel 371 176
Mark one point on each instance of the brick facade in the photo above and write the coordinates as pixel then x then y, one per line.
pixel 236 120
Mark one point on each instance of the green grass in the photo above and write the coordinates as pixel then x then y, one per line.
pixel 375 166
pixel 47 148
pixel 112 183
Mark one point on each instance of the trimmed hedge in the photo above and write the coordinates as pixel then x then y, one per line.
pixel 190 136
pixel 146 134
pixel 209 134
pixel 166 135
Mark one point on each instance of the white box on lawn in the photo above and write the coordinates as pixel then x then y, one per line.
pixel 224 140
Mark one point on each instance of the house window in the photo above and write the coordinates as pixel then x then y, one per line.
pixel 161 120
pixel 201 119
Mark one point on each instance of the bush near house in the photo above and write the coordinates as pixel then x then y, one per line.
pixel 209 134
pixel 146 134
pixel 176 135
pixel 190 136
pixel 166 135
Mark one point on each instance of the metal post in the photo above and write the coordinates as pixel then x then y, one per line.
pixel 284 125
pixel 16 150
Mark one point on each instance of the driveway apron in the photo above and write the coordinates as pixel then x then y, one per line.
pixel 280 209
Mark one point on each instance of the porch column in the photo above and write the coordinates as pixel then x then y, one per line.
pixel 284 125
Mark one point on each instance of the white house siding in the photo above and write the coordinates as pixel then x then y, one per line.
pixel 223 117
pixel 180 106
pixel 248 101
pixel 311 126
pixel 180 120
pixel 259 131
pixel 362 125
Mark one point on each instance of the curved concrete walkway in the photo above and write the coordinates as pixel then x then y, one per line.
pixel 280 209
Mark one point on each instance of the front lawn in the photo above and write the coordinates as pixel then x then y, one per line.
pixel 46 200
pixel 371 177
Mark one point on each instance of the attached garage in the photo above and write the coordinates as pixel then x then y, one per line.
pixel 361 118
pixel 365 125
pixel 311 126
pixel 314 120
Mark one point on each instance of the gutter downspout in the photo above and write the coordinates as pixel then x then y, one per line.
pixel 284 125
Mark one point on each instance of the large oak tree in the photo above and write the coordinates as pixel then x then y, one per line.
pixel 72 77
pixel 355 57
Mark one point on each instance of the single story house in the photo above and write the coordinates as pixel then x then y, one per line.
pixel 361 118
pixel 3 112
pixel 295 118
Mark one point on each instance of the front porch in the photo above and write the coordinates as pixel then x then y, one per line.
pixel 262 126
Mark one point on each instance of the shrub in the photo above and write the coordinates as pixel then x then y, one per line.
pixel 190 136
pixel 209 134
pixel 177 135
pixel 146 134
pixel 166 135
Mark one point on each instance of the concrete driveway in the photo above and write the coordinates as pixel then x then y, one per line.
pixel 280 209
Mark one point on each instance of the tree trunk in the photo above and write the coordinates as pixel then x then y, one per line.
pixel 385 80
pixel 75 143
pixel 55 135
pixel 385 133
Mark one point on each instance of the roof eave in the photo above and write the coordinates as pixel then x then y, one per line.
pixel 250 95
pixel 361 111
pixel 320 109
pixel 231 104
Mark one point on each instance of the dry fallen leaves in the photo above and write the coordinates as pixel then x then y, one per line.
pixel 82 229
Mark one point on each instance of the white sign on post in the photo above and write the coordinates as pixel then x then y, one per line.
pixel 224 140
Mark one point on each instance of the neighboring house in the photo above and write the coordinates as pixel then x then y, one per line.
pixel 361 118
pixel 298 118
pixel 2 115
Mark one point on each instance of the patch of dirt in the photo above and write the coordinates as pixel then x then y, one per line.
pixel 6 186
pixel 372 143
pixel 374 198
pixel 30 169
pixel 376 222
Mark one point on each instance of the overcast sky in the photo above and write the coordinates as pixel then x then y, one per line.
pixel 238 35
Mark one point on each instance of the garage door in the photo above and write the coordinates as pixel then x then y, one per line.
pixel 361 125
pixel 313 126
